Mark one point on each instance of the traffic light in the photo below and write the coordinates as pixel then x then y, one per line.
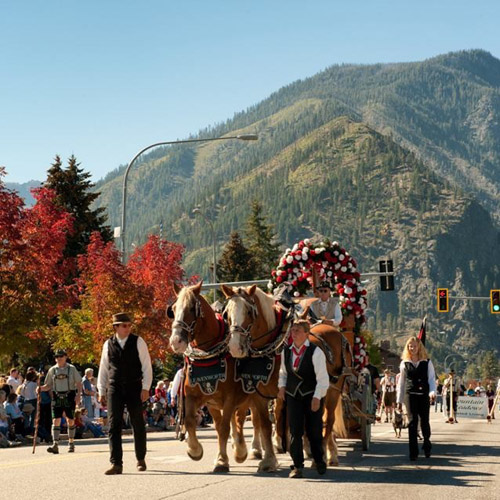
pixel 386 282
pixel 495 301
pixel 442 300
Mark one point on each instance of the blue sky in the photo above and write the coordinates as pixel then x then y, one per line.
pixel 103 79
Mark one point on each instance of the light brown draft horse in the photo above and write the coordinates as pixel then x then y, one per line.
pixel 339 363
pixel 251 316
pixel 196 326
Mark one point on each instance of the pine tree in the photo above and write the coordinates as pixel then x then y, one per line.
pixel 490 366
pixel 236 263
pixel 262 243
pixel 74 194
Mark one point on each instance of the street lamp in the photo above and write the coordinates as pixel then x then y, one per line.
pixel 123 233
pixel 449 356
pixel 199 212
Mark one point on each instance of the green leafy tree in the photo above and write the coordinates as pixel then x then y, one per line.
pixel 236 263
pixel 74 193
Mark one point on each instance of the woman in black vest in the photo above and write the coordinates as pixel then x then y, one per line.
pixel 125 376
pixel 303 381
pixel 416 386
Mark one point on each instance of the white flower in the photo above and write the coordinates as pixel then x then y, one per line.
pixel 279 273
pixel 336 252
pixel 299 274
pixel 304 256
pixel 357 339
pixel 343 269
pixel 363 306
pixel 295 247
pixel 347 290
pixel 320 250
pixel 337 266
pixel 362 352
pixel 296 294
pixel 287 251
pixel 349 307
pixel 335 244
pixel 329 273
pixel 289 259
pixel 341 256
pixel 298 257
pixel 305 249
pixel 295 270
pixel 307 241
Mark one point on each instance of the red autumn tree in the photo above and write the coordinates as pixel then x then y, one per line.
pixel 32 267
pixel 143 288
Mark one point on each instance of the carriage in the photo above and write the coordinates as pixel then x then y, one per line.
pixel 253 333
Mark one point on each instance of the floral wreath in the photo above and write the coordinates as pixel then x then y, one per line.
pixel 332 264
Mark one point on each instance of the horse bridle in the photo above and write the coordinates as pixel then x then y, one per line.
pixel 194 352
pixel 245 332
pixel 188 330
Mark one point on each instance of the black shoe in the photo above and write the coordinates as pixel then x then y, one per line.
pixel 413 459
pixel 141 465
pixel 53 449
pixel 321 468
pixel 427 454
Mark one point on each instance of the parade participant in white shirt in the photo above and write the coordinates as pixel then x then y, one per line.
pixel 303 383
pixel 125 376
pixel 326 309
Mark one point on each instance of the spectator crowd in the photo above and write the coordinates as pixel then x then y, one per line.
pixel 18 408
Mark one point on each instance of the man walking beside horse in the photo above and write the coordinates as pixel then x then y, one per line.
pixel 303 383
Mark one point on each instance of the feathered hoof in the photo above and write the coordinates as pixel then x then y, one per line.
pixel 268 466
pixel 221 468
pixel 241 459
pixel 333 462
pixel 194 457
pixel 256 455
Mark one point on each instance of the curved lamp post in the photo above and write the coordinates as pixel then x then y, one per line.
pixel 197 211
pixel 446 369
pixel 123 232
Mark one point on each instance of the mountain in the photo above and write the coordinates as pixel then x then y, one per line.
pixel 394 160
pixel 24 190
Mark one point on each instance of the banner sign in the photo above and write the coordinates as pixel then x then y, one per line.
pixel 472 407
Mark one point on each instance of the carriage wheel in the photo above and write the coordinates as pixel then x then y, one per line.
pixel 366 408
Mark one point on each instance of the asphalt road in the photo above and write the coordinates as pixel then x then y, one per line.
pixel 465 465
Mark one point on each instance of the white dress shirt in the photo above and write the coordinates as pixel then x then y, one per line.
pixel 319 363
pixel 147 369
pixel 431 377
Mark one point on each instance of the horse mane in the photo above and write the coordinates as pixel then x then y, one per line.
pixel 187 296
pixel 267 305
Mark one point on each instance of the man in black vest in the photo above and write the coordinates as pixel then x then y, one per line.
pixel 303 381
pixel 125 376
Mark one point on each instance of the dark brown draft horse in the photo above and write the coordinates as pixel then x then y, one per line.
pixel 251 316
pixel 196 332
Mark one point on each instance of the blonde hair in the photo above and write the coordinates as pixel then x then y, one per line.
pixel 421 352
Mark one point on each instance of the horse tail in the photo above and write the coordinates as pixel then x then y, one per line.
pixel 340 424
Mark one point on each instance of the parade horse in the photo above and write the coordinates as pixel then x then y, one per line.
pixel 256 334
pixel 251 316
pixel 196 333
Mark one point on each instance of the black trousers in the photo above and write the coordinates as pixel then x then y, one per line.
pixel 118 398
pixel 299 416
pixel 419 409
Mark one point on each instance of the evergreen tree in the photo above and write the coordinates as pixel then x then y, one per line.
pixel 74 194
pixel 490 367
pixel 236 263
pixel 262 242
